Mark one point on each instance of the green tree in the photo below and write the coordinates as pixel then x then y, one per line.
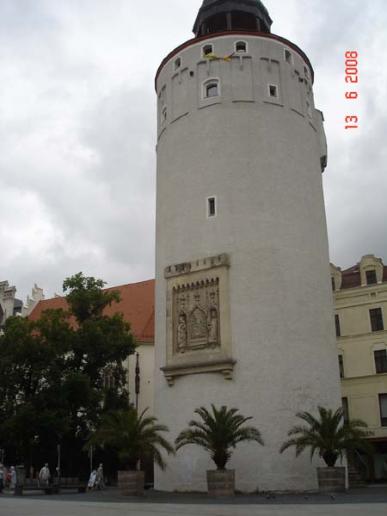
pixel 133 436
pixel 328 435
pixel 52 373
pixel 218 432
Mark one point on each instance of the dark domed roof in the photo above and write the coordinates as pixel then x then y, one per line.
pixel 224 15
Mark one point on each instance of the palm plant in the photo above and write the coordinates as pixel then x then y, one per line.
pixel 328 434
pixel 218 432
pixel 133 436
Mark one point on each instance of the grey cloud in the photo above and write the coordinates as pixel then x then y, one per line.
pixel 77 130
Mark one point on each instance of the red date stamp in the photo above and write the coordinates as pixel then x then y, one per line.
pixel 352 79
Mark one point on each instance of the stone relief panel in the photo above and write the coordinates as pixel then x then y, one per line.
pixel 198 318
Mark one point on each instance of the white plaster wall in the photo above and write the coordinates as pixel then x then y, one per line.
pixel 262 161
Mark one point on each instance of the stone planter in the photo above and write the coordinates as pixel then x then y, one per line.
pixel 131 483
pixel 331 480
pixel 221 482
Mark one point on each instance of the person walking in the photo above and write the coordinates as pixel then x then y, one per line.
pixel 92 480
pixel 12 482
pixel 44 476
pixel 100 484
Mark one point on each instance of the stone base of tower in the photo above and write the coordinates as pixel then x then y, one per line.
pixel 256 468
pixel 252 474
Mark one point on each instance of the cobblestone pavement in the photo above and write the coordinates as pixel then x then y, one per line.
pixel 356 502
pixel 37 507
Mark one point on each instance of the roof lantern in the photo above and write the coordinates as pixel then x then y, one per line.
pixel 232 15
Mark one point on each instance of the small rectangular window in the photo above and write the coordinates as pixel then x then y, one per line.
pixel 383 408
pixel 337 325
pixel 376 317
pixel 341 366
pixel 211 207
pixel 207 50
pixel 273 90
pixel 344 403
pixel 333 283
pixel 371 277
pixel 380 361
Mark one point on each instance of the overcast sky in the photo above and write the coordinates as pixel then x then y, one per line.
pixel 78 120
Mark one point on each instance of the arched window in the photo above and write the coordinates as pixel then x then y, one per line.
pixel 241 47
pixel 211 88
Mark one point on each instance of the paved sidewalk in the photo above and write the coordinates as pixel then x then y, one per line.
pixel 37 507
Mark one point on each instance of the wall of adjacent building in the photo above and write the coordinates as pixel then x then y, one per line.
pixel 362 385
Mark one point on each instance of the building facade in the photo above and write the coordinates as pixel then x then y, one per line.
pixel 361 327
pixel 11 306
pixel 243 301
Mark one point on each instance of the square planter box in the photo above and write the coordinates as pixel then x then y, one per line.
pixel 221 482
pixel 331 480
pixel 131 483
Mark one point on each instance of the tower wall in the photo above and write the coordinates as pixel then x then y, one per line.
pixel 260 157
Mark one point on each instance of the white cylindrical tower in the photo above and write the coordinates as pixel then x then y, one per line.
pixel 244 313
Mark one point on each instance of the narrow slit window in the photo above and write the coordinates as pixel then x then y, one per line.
pixel 177 63
pixel 164 114
pixel 207 50
pixel 211 89
pixel 211 207
pixel 273 90
pixel 288 57
pixel 241 47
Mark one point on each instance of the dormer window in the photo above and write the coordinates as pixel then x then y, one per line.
pixel 207 50
pixel 241 47
pixel 371 277
pixel 211 89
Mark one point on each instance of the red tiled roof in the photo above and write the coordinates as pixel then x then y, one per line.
pixel 136 305
pixel 351 277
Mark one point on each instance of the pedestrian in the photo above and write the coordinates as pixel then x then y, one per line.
pixel 99 480
pixel 92 480
pixel 12 483
pixel 44 475
pixel 2 478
